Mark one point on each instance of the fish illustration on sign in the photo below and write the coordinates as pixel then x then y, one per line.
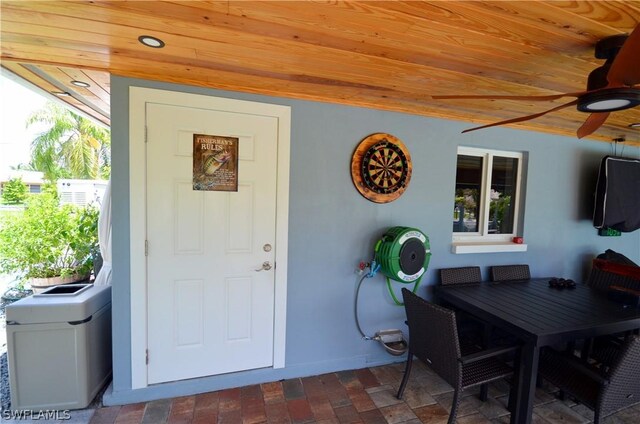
pixel 213 162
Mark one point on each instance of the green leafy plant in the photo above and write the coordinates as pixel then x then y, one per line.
pixel 48 240
pixel 497 210
pixel 14 191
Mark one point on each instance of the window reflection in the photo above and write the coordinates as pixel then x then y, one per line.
pixel 503 189
pixel 466 208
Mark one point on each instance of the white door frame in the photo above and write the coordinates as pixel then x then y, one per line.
pixel 138 99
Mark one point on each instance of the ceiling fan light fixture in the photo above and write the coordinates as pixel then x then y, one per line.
pixel 150 41
pixel 609 100
pixel 607 105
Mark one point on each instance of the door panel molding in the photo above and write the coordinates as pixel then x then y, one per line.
pixel 138 100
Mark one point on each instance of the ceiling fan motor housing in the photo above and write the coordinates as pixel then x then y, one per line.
pixel 403 253
pixel 607 48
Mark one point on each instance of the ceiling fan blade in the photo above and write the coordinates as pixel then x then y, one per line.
pixel 625 69
pixel 523 118
pixel 593 122
pixel 500 97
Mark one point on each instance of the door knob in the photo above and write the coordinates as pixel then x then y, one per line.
pixel 266 266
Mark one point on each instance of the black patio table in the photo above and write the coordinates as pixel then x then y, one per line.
pixel 540 316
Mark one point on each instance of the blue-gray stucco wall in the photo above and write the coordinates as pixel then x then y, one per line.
pixel 332 227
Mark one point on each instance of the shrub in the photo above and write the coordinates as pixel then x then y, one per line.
pixel 14 191
pixel 48 240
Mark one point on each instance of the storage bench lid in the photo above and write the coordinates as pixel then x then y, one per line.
pixel 68 306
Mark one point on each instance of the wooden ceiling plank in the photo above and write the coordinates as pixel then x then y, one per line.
pixel 24 72
pixel 615 16
pixel 364 31
pixel 77 38
pixel 278 88
pixel 39 54
pixel 94 91
pixel 64 76
pixel 399 106
pixel 472 65
pixel 86 109
pixel 102 79
pixel 232 54
pixel 391 77
pixel 490 28
pixel 486 21
pixel 345 52
pixel 458 61
pixel 553 28
pixel 58 78
pixel 529 80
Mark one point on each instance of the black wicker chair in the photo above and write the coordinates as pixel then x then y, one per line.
pixel 510 272
pixel 461 275
pixel 605 390
pixel 433 338
pixel 471 330
pixel 605 274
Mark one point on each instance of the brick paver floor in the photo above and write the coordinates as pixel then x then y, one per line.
pixel 357 396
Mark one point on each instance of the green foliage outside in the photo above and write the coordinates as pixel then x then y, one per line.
pixel 47 239
pixel 467 198
pixel 14 192
pixel 71 147
pixel 497 210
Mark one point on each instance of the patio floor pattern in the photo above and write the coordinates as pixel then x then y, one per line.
pixel 356 396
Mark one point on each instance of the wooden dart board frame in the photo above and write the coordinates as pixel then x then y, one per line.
pixel 381 168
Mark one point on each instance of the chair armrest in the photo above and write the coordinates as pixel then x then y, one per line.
pixel 489 353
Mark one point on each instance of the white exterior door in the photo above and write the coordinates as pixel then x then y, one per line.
pixel 210 301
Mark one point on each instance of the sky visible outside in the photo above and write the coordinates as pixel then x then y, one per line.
pixel 16 104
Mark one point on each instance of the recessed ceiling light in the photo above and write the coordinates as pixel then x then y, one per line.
pixel 635 125
pixel 80 83
pixel 150 41
pixel 60 93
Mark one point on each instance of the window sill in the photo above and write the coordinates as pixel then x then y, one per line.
pixel 487 247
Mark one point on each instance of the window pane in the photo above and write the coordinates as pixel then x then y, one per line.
pixel 466 207
pixel 503 195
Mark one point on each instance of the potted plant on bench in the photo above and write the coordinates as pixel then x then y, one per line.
pixel 49 244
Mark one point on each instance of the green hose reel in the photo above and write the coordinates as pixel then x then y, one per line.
pixel 403 254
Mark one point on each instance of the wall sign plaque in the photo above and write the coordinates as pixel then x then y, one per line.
pixel 381 168
pixel 215 163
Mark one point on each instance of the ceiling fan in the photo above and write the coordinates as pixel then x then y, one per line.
pixel 610 87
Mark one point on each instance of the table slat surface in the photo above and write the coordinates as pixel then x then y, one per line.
pixel 532 309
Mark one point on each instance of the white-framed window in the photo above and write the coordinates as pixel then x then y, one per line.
pixel 487 196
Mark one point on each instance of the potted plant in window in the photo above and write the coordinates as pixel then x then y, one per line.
pixel 49 244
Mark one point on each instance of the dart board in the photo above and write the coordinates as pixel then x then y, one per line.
pixel 381 168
